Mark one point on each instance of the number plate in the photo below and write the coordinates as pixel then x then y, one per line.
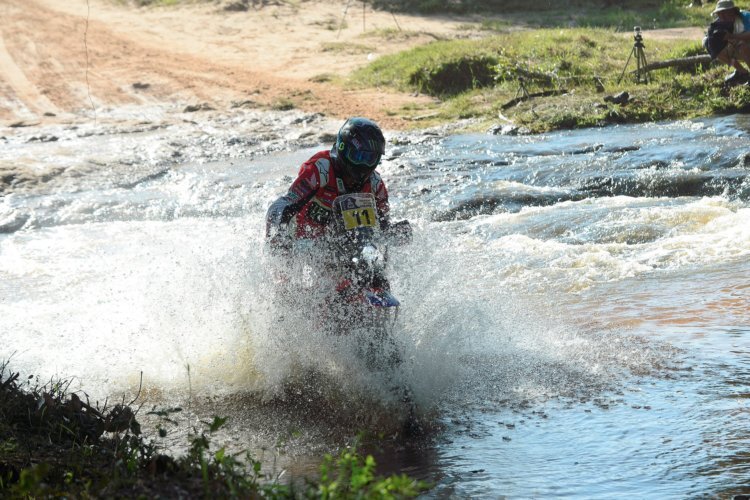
pixel 359 217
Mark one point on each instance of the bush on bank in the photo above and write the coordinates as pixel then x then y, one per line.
pixel 53 444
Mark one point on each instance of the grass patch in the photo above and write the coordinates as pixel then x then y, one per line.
pixel 324 78
pixel 589 13
pixel 391 34
pixel 574 69
pixel 455 75
pixel 331 24
pixel 347 48
pixel 411 70
pixel 283 104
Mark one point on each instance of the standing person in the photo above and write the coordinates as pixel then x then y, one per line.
pixel 728 39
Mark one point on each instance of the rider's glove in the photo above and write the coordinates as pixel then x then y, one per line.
pixel 281 243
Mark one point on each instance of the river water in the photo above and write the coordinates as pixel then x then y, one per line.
pixel 575 306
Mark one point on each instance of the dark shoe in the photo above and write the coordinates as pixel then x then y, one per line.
pixel 737 78
pixel 621 98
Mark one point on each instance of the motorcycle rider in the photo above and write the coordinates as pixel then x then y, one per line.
pixel 306 212
pixel 349 167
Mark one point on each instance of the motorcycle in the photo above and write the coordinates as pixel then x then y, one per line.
pixel 340 279
pixel 348 269
pixel 366 305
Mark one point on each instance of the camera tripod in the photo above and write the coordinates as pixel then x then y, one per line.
pixel 364 6
pixel 641 73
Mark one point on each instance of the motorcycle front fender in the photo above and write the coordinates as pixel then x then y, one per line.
pixel 381 298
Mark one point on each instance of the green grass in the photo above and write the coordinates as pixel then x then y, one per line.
pixel 548 13
pixel 648 15
pixel 478 78
pixel 561 54
pixel 347 48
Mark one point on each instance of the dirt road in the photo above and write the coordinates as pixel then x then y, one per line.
pixel 68 58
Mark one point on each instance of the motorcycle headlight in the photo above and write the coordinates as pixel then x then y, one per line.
pixel 371 255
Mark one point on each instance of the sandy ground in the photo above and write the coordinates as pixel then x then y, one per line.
pixel 66 58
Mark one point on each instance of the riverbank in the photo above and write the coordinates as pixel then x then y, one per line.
pixel 78 60
pixel 55 443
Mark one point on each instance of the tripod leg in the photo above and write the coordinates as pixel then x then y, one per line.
pixel 638 68
pixel 396 21
pixel 645 71
pixel 626 65
pixel 343 17
pixel 642 72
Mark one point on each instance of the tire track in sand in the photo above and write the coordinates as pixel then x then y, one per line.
pixel 181 61
pixel 28 100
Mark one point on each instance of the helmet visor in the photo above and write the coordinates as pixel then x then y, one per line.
pixel 367 159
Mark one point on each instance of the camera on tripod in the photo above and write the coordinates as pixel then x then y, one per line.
pixel 637 36
pixel 641 71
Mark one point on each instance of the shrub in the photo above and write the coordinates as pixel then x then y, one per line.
pixel 455 76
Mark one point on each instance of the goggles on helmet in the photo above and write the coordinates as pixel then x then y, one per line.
pixel 368 159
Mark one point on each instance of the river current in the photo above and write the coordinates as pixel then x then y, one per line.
pixel 575 305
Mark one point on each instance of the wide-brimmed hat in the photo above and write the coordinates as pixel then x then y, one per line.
pixel 723 5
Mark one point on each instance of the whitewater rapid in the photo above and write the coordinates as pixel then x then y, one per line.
pixel 566 296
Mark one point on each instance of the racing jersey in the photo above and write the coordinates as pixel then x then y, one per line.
pixel 308 202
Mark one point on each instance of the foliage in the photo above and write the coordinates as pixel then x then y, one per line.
pixel 352 476
pixel 455 76
pixel 429 68
pixel 62 458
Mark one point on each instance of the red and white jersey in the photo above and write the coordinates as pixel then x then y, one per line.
pixel 310 197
